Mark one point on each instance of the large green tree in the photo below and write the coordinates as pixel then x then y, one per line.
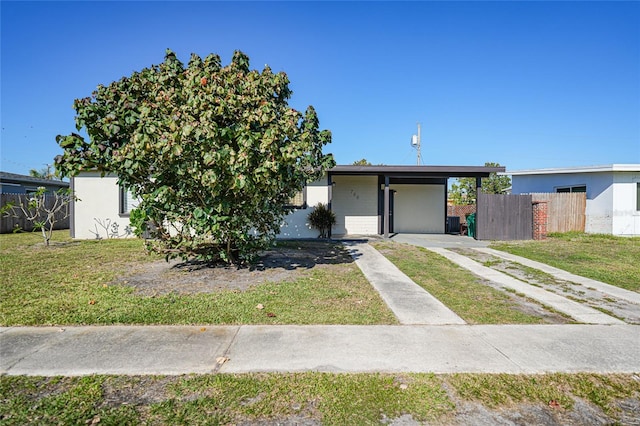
pixel 213 152
pixel 464 190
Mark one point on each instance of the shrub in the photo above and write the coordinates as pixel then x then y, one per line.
pixel 322 219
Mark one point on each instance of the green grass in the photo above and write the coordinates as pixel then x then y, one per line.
pixel 335 399
pixel 613 260
pixel 332 399
pixel 457 288
pixel 71 282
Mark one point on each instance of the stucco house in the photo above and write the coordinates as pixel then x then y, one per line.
pixel 367 200
pixel 613 193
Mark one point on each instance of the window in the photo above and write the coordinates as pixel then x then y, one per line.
pixel 638 196
pixel 127 202
pixel 30 190
pixel 298 201
pixel 578 188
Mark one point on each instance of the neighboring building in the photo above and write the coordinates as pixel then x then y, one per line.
pixel 367 200
pixel 613 193
pixel 16 189
pixel 11 183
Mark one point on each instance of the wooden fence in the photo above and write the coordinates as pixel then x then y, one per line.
pixel 565 211
pixel 10 223
pixel 504 217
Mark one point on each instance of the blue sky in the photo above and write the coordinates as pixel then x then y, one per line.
pixel 525 84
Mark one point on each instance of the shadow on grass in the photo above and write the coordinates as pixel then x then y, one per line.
pixel 287 254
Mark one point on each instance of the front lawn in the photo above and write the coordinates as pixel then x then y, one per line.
pixel 321 398
pixel 613 260
pixel 82 282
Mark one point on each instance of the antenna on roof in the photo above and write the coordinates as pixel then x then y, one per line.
pixel 415 143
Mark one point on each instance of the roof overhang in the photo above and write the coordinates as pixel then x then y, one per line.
pixel 583 169
pixel 417 171
pixel 7 178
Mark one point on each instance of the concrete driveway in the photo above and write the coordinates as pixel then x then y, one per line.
pixel 439 240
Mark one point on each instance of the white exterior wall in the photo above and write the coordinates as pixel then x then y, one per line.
pixel 355 203
pixel 295 224
pixel 611 197
pixel 626 217
pixel 98 201
pixel 419 209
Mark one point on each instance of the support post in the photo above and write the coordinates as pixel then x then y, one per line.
pixel 478 191
pixel 446 204
pixel 329 196
pixel 386 206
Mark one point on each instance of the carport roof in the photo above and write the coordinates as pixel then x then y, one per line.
pixel 417 171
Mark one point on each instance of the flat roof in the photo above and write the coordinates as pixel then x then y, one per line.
pixel 579 169
pixel 6 177
pixel 417 171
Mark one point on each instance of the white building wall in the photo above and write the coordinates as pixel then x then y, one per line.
pixel 599 209
pixel 611 198
pixel 295 224
pixel 99 204
pixel 419 209
pixel 355 203
pixel 96 212
pixel 626 217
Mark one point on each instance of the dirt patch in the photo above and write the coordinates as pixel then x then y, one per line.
pixel 583 412
pixel 137 390
pixel 529 414
pixel 285 262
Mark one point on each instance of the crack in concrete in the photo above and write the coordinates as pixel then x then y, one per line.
pixel 218 366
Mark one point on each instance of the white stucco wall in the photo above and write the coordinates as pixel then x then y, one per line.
pixel 611 197
pixel 419 209
pixel 98 203
pixel 295 224
pixel 355 203
pixel 625 216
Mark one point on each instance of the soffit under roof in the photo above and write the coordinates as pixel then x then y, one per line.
pixel 417 171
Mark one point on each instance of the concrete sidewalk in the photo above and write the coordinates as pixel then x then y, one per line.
pixel 144 350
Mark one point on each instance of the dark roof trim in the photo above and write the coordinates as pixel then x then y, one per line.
pixel 417 171
pixel 6 177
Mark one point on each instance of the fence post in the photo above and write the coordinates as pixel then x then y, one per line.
pixel 540 219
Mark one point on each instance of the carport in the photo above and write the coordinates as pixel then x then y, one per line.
pixel 392 199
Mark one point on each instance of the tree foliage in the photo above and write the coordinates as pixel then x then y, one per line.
pixel 464 191
pixel 362 162
pixel 213 152
pixel 47 172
